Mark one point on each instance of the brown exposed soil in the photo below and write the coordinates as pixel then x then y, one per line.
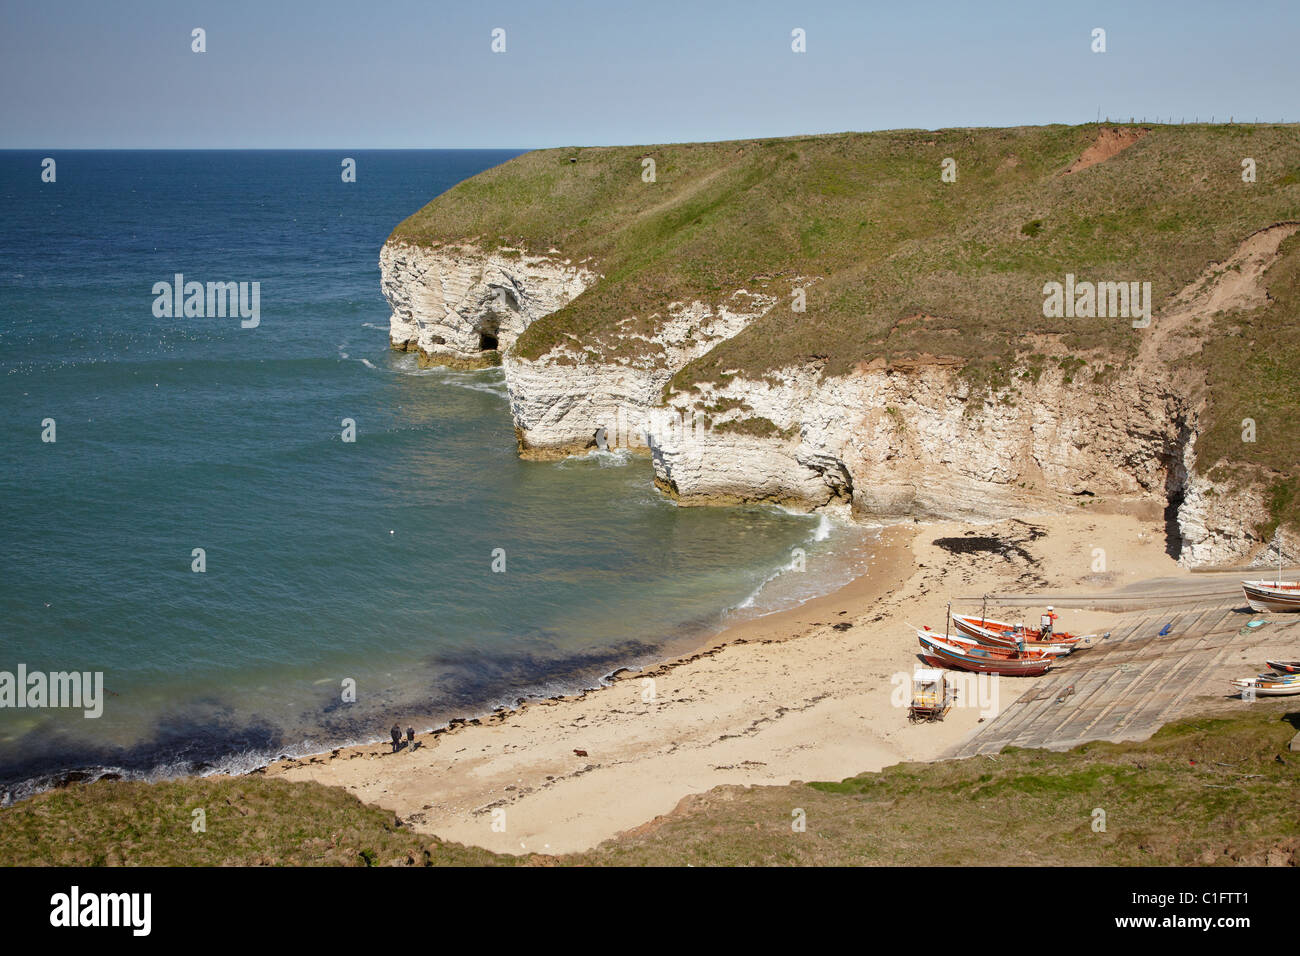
pixel 1109 143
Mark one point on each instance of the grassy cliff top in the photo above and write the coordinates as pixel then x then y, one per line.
pixel 902 266
pixel 898 263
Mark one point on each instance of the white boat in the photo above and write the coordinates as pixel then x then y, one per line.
pixel 1265 687
pixel 1272 595
pixel 1276 595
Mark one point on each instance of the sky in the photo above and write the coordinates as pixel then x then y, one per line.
pixel 401 74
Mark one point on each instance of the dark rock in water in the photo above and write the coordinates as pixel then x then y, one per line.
pixel 111 776
pixel 71 777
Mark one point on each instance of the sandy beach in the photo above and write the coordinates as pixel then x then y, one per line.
pixel 813 693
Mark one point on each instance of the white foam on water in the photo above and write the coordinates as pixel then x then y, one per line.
pixel 491 388
pixel 820 579
pixel 489 381
pixel 604 459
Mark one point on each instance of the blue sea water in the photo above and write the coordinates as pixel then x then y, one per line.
pixel 327 562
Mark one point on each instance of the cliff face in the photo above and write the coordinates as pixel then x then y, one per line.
pixel 460 306
pixel 560 400
pixel 882 441
pixel 1217 521
pixel 903 442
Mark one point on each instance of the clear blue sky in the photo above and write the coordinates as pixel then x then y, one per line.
pixel 297 74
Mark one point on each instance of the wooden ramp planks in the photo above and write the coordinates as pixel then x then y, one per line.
pixel 1128 685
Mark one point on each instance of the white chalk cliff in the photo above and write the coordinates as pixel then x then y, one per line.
pixel 885 442
pixel 457 305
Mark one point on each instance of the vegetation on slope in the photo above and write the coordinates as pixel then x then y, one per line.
pixel 900 266
pixel 1206 791
pixel 249 821
pixel 868 218
pixel 1253 370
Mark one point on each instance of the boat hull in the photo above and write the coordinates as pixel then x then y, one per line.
pixel 1269 688
pixel 969 644
pixel 981 660
pixel 1262 596
pixel 1000 633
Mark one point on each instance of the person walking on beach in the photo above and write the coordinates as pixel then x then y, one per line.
pixel 397 737
pixel 410 736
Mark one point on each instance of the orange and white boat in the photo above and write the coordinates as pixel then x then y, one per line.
pixel 944 652
pixel 1003 634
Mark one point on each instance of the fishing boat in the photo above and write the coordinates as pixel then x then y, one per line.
pixel 1272 595
pixel 1001 634
pixel 970 643
pixel 986 630
pixel 1283 667
pixel 980 659
pixel 1276 595
pixel 1269 685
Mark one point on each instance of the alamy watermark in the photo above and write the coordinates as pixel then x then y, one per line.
pixel 37 689
pixel 968 689
pixel 1100 300
pixel 654 427
pixel 128 910
pixel 215 300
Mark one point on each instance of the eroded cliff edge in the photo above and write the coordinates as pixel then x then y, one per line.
pixel 1057 426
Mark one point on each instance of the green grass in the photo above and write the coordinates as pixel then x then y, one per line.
pixel 250 821
pixel 1200 792
pixel 1213 790
pixel 868 217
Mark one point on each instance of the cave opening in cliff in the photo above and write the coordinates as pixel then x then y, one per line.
pixel 487 342
pixel 1175 489
pixel 1173 534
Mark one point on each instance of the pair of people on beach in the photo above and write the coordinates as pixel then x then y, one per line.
pixel 396 734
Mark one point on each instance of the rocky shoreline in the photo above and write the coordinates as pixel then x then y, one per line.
pixel 908 439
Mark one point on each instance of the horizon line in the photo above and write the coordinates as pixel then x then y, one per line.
pixel 254 149
pixel 1231 121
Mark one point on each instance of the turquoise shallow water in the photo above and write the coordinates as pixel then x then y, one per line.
pixel 326 561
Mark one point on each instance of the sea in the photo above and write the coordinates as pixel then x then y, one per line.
pixel 278 538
